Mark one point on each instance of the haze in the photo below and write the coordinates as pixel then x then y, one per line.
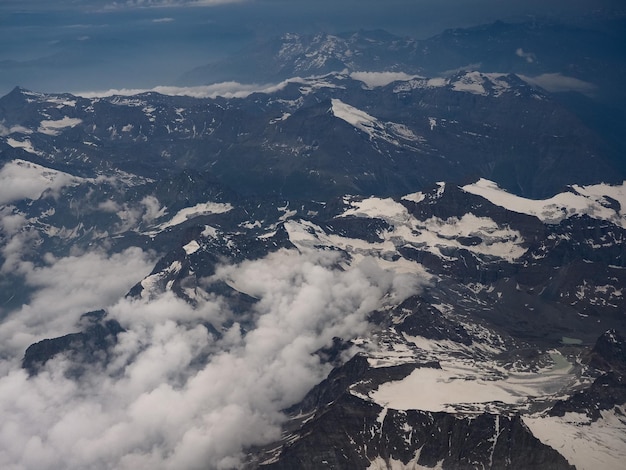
pixel 90 45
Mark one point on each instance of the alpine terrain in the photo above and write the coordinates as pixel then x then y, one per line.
pixel 391 254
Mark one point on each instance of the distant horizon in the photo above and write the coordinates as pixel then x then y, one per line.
pixel 102 45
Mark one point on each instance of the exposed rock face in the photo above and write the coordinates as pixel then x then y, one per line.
pixel 310 140
pixel 428 322
pixel 608 390
pixel 84 349
pixel 352 433
pixel 609 353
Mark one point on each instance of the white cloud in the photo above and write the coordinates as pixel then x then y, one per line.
pixel 20 179
pixel 19 242
pixel 168 3
pixel 376 79
pixel 17 129
pixel 224 89
pixel 109 206
pixel 131 215
pixel 11 221
pixel 153 209
pixel 556 83
pixel 528 56
pixel 64 288
pixel 160 405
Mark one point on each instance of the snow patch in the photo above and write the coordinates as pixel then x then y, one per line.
pixel 284 117
pixel 590 200
pixel 25 144
pixel 386 209
pixel 586 445
pixel 206 208
pixel 437 235
pixel 191 247
pixel 17 129
pixel 357 118
pixel 210 232
pixel 54 127
pixel 61 101
pixel 464 382
pixel 388 131
pixel 414 197
pixel 149 283
pixel 471 82
pixel 479 235
pixel 378 79
pixel 389 463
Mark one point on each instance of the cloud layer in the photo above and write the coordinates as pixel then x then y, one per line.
pixel 175 396
pixel 558 83
pixel 168 3
pixel 65 288
pixel 224 89
pixel 20 179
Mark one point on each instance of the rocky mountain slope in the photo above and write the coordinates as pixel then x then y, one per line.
pixel 322 137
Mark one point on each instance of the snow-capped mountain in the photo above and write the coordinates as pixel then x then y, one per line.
pixel 531 48
pixel 360 269
pixel 323 136
pixel 298 55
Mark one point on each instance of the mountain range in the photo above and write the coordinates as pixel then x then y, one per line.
pixel 400 254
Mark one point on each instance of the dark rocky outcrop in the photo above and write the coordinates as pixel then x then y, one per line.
pixel 609 353
pixel 427 321
pixel 351 433
pixel 84 349
pixel 608 356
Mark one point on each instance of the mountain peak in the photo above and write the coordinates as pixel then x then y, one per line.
pixel 609 352
pixel 19 93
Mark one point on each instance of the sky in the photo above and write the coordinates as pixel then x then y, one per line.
pixel 89 45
